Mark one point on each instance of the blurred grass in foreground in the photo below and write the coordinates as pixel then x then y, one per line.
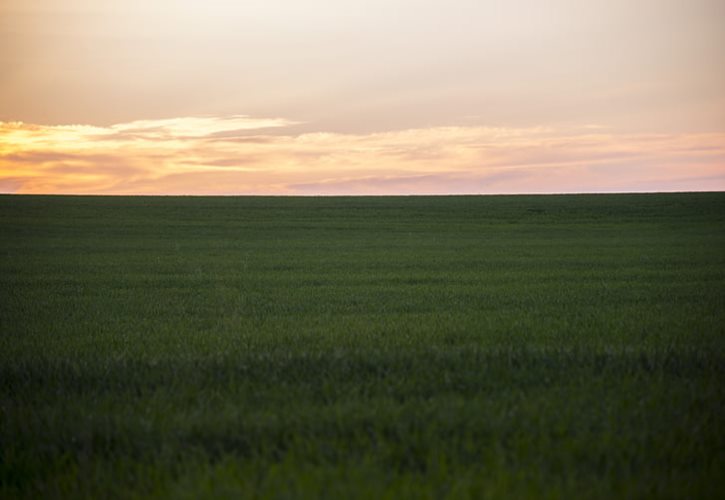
pixel 363 347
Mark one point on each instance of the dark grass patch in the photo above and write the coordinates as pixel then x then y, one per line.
pixel 360 347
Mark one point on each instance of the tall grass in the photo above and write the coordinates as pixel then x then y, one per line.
pixel 469 347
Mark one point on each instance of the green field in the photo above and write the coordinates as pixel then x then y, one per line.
pixel 396 347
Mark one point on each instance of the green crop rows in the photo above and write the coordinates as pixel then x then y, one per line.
pixel 396 347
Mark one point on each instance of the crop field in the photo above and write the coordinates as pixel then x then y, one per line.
pixel 363 347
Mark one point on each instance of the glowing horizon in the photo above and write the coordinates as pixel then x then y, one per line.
pixel 241 155
pixel 344 97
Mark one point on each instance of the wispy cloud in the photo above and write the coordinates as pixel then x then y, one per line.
pixel 244 155
pixel 194 127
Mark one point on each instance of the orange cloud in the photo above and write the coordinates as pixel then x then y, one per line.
pixel 243 155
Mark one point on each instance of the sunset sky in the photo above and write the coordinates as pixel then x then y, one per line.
pixel 352 97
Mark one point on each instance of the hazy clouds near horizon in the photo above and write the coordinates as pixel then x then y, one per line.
pixel 361 67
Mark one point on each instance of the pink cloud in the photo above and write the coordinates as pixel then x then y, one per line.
pixel 242 155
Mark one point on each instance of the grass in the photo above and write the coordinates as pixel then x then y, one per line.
pixel 427 347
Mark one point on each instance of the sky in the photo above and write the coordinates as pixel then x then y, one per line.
pixel 326 97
